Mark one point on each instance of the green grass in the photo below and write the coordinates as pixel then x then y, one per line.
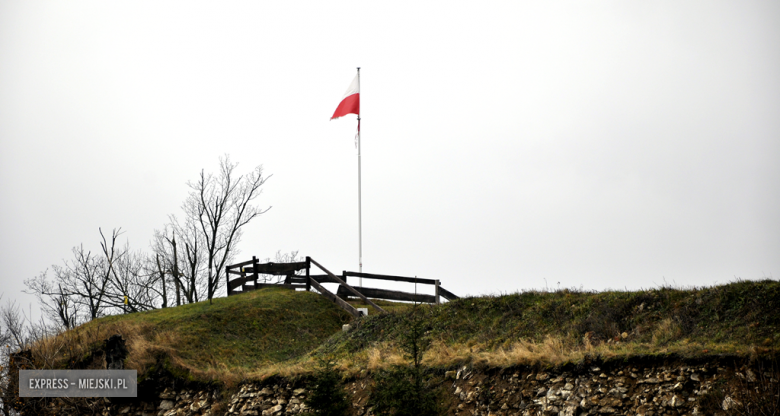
pixel 235 335
pixel 738 318
pixel 279 331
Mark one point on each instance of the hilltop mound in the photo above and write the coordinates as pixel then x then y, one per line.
pixel 567 326
pixel 223 340
pixel 693 350
pixel 277 331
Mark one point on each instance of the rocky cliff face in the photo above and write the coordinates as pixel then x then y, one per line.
pixel 641 388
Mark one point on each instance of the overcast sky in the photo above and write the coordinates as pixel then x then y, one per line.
pixel 505 145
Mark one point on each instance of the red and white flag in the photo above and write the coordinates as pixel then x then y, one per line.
pixel 350 104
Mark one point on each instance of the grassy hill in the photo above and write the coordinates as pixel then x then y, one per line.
pixel 276 331
pixel 738 319
pixel 226 340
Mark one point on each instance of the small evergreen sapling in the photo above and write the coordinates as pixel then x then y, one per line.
pixel 405 391
pixel 327 398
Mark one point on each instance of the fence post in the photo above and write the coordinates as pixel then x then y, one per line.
pixel 438 283
pixel 344 278
pixel 255 275
pixel 227 281
pixel 308 282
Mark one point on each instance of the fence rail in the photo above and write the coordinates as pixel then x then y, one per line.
pixel 246 276
pixel 390 295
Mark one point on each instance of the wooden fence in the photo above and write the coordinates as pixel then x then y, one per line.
pixel 246 276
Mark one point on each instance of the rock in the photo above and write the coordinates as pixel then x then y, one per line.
pixel 728 403
pixel 569 411
pixel 272 411
pixel 546 392
pixel 610 402
pixel 470 396
pixel 166 404
pixel 167 394
pixel 676 402
pixel 750 375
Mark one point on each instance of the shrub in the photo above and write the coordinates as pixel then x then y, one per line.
pixel 327 398
pixel 406 391
pixel 403 391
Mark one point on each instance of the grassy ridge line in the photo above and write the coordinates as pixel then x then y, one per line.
pixel 225 340
pixel 277 331
pixel 566 326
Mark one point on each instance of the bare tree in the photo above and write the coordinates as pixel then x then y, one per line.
pixel 5 334
pixel 16 334
pixel 55 304
pixel 132 287
pixel 179 256
pixel 192 259
pixel 15 337
pixel 188 257
pixel 81 286
pixel 5 350
pixel 84 280
pixel 219 206
pixel 164 261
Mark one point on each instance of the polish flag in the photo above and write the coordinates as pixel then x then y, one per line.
pixel 350 104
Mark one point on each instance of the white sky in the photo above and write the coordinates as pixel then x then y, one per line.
pixel 506 146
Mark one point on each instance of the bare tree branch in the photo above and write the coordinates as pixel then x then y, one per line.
pixel 220 206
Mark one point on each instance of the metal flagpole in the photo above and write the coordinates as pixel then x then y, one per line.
pixel 360 208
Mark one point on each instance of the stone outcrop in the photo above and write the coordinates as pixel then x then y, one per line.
pixel 598 389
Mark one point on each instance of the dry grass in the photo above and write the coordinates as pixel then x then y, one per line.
pixel 552 350
pixel 76 347
pixel 255 334
pixel 276 332
pixel 569 326
pixel 665 332
pixel 384 356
